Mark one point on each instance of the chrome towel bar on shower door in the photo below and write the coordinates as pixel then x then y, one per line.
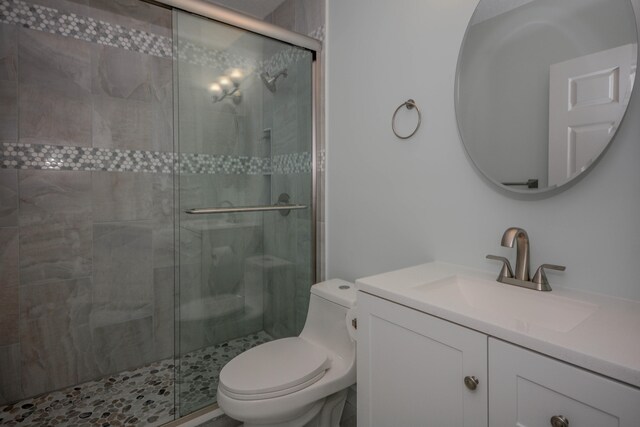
pixel 281 205
pixel 203 211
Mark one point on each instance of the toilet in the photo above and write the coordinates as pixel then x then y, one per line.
pixel 298 381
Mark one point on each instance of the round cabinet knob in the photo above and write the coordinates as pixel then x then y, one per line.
pixel 471 382
pixel 559 421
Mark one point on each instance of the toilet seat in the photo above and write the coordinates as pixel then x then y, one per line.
pixel 274 369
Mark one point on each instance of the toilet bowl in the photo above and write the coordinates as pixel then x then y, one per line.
pixel 298 381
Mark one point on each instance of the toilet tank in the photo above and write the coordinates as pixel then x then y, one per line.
pixel 326 323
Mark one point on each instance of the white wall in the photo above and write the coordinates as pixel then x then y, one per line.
pixel 393 204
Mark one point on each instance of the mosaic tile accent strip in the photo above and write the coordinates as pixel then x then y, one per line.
pixel 41 18
pixel 291 163
pixel 219 164
pixel 219 59
pixel 283 59
pixel 54 21
pixel 56 157
pixel 140 397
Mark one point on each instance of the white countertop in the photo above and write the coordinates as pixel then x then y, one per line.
pixel 607 342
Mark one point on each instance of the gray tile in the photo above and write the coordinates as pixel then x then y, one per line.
pixel 195 190
pixel 122 346
pixel 8 82
pixel 162 126
pixel 131 124
pixel 55 89
pixel 9 315
pixel 119 123
pixel 163 199
pixel 55 251
pixel 8 49
pixel 285 15
pixel 121 196
pixel 54 334
pixel 56 62
pixel 202 123
pixel 53 117
pixel 161 71
pixel 163 318
pixel 55 225
pixel 163 245
pixel 120 73
pixel 309 15
pixel 53 196
pixel 9 261
pixel 122 262
pixel 164 227
pixel 10 385
pixel 8 109
pixel 189 253
pixel 8 198
pixel 69 298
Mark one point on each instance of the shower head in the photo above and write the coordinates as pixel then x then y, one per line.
pixel 270 82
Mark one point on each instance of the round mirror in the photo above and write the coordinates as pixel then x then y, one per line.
pixel 542 86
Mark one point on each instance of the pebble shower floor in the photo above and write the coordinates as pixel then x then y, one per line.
pixel 140 397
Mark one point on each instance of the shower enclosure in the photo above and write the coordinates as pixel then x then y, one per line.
pixel 156 204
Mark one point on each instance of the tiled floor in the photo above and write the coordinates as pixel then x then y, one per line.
pixel 141 397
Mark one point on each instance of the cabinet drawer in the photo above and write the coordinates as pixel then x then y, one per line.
pixel 527 389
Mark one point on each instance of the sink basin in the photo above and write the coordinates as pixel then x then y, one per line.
pixel 505 305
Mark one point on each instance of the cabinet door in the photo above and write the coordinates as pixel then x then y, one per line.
pixel 527 389
pixel 411 368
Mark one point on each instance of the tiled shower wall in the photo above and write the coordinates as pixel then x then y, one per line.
pixel 308 17
pixel 81 296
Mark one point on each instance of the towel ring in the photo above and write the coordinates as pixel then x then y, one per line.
pixel 410 104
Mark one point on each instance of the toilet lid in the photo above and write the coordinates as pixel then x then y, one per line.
pixel 274 369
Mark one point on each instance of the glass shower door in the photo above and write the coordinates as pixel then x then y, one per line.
pixel 243 125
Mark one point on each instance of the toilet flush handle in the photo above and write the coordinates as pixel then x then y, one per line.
pixel 352 323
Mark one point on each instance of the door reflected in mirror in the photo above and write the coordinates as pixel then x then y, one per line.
pixel 542 87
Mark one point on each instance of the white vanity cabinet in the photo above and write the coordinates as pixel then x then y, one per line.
pixel 412 366
pixel 528 389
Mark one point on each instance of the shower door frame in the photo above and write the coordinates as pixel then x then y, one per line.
pixel 253 25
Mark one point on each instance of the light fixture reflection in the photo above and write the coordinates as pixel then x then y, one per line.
pixel 227 86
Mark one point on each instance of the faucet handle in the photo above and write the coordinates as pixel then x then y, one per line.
pixel 540 278
pixel 506 266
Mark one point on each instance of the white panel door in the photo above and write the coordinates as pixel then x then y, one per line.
pixel 528 389
pixel 587 99
pixel 411 369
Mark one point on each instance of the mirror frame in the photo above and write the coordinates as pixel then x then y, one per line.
pixel 552 190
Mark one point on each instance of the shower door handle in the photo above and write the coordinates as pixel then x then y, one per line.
pixel 233 209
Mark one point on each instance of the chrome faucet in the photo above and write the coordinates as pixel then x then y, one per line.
pixel 515 234
pixel 521 238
